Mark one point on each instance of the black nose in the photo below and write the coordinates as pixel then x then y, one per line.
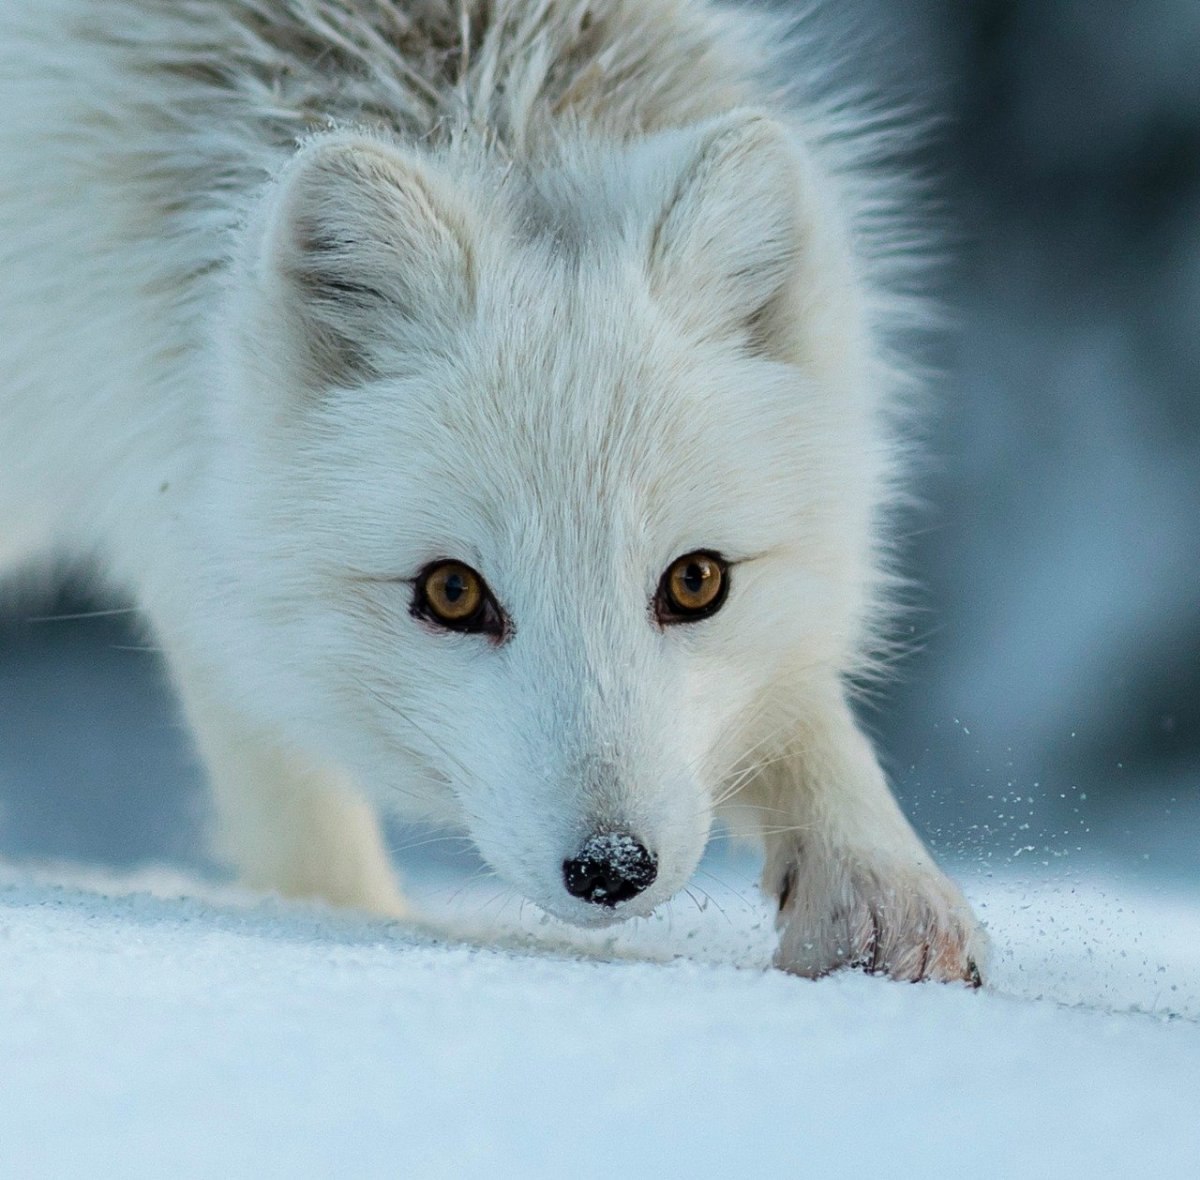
pixel 609 869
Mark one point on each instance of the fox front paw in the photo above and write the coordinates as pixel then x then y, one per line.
pixel 909 923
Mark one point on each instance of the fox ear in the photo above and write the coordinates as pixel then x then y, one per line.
pixel 728 247
pixel 368 254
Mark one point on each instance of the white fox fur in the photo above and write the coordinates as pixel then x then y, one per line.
pixel 298 296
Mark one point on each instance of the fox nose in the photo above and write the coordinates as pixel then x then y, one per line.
pixel 609 869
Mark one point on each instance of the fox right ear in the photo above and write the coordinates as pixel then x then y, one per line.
pixel 729 246
pixel 366 255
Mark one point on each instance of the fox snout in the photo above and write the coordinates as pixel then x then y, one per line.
pixel 610 868
pixel 592 845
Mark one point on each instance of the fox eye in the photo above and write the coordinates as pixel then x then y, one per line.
pixel 454 596
pixel 693 587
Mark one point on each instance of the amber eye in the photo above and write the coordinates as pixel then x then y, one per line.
pixel 455 596
pixel 693 588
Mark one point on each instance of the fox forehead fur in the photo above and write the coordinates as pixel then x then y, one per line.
pixel 559 289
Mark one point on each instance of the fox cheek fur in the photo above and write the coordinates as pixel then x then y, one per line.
pixel 306 301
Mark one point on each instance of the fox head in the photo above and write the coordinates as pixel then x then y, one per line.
pixel 551 484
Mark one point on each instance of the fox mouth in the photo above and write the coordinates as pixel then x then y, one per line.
pixel 601 917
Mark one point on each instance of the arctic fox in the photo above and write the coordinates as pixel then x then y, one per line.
pixel 488 404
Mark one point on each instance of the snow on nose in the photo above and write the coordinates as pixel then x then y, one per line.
pixel 610 868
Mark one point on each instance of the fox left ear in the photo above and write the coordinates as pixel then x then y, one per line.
pixel 728 249
pixel 366 257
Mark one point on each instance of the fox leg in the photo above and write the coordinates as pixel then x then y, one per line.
pixel 298 830
pixel 854 884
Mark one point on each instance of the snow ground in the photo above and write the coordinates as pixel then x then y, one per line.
pixel 156 1026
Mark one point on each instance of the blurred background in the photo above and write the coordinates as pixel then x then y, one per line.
pixel 1051 707
pixel 1061 543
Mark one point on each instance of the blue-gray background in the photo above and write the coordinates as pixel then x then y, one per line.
pixel 1053 702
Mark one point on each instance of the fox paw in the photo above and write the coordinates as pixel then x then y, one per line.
pixel 907 922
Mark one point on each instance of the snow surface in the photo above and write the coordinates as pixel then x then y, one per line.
pixel 156 1026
